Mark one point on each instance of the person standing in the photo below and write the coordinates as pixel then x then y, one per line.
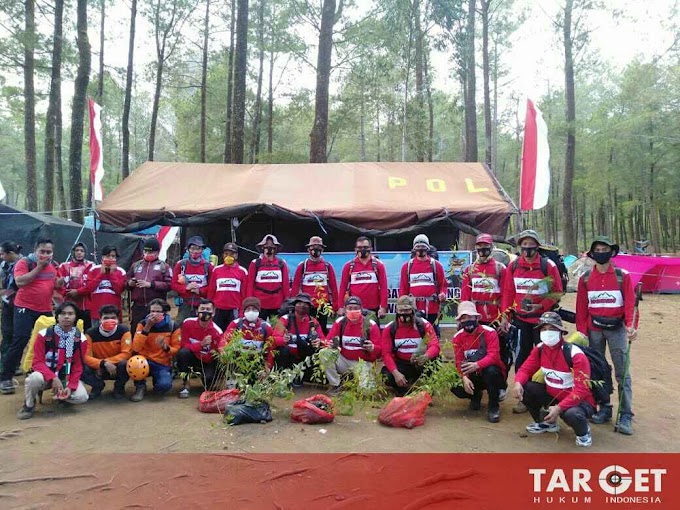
pixel 190 278
pixel 228 287
pixel 365 277
pixel 74 274
pixel 482 282
pixel 605 302
pixel 104 284
pixel 268 277
pixel 10 253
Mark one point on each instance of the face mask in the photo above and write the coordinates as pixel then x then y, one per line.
pixel 109 325
pixel 421 253
pixel 405 318
pixel 205 316
pixel 196 256
pixel 251 315
pixel 353 315
pixel 109 262
pixel 149 257
pixel 483 252
pixel 551 338
pixel 269 251
pixel 364 252
pixel 469 325
pixel 601 258
pixel 229 260
pixel 529 252
pixel 315 253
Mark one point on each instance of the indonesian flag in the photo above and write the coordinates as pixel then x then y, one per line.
pixel 166 235
pixel 96 159
pixel 535 174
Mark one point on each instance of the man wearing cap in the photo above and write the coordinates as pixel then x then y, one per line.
pixel 477 353
pixel 408 343
pixel 357 337
pixel 566 391
pixel 268 278
pixel 228 286
pixel 104 283
pixel 148 279
pixel 605 301
pixel 532 286
pixel 424 279
pixel 482 282
pixel 253 332
pixel 316 277
pixel 73 272
pixel 365 277
pixel 190 278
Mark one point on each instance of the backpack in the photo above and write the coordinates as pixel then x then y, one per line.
pixel 617 272
pixel 374 263
pixel 207 252
pixel 366 328
pixel 600 372
pixel 263 328
pixel 258 265
pixel 555 256
pixel 183 267
pixel 51 345
pixel 499 268
pixel 433 267
pixel 420 326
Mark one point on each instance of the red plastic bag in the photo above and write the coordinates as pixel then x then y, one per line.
pixel 217 401
pixel 316 409
pixel 406 412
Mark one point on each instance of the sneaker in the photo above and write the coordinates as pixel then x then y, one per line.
pixel 184 393
pixel 7 387
pixel 94 394
pixel 625 425
pixel 604 415
pixel 334 391
pixel 540 428
pixel 502 394
pixel 139 394
pixel 25 413
pixel 118 393
pixel 494 415
pixel 475 404
pixel 519 408
pixel 585 440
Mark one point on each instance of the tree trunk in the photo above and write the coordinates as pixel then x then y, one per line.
pixel 155 106
pixel 419 138
pixel 257 118
pixel 569 159
pixel 230 84
pixel 53 105
pixel 128 93
pixel 319 134
pixel 29 109
pixel 100 83
pixel 430 110
pixel 470 101
pixel 362 126
pixel 78 114
pixel 494 132
pixel 270 103
pixel 240 71
pixel 204 79
pixel 377 129
pixel 485 71
pixel 61 192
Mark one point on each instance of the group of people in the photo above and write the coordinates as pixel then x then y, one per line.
pixel 224 302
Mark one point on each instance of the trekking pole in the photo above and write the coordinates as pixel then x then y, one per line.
pixel 626 364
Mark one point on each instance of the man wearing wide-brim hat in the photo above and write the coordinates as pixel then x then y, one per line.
pixel 268 277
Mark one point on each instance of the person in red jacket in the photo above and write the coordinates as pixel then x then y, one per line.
pixel 365 277
pixel 316 277
pixel 483 280
pixel 268 277
pixel 228 286
pixel 566 391
pixel 478 360
pixel 423 278
pixel 201 339
pixel 73 272
pixel 190 278
pixel 407 344
pixel 357 337
pixel 105 284
pixel 58 357
pixel 253 333
pixel 605 301
pixel 532 286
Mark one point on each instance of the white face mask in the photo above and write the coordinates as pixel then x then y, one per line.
pixel 251 315
pixel 550 337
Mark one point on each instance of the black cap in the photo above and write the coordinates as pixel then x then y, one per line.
pixel 152 243
pixel 303 297
pixel 353 300
pixel 230 247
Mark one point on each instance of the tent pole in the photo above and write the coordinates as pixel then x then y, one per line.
pixel 233 229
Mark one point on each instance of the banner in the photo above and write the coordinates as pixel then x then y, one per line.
pixel 535 173
pixel 96 151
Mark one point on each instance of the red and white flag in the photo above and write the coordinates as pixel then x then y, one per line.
pixel 96 151
pixel 166 235
pixel 535 173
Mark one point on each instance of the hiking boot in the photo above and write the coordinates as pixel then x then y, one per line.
pixel 297 382
pixel 25 413
pixel 625 425
pixel 118 393
pixel 519 408
pixel 604 415
pixel 334 391
pixel 184 393
pixel 475 404
pixel 502 394
pixel 139 394
pixel 494 415
pixel 7 387
pixel 585 440
pixel 94 394
pixel 540 428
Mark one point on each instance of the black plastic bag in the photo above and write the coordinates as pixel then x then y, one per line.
pixel 247 412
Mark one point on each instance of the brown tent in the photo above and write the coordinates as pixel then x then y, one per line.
pixel 376 199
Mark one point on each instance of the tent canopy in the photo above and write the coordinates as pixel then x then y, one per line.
pixel 378 199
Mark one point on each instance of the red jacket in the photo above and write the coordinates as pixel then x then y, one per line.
pixel 350 343
pixel 193 334
pixel 567 386
pixel 252 337
pixel 74 274
pixel 528 281
pixel 365 282
pixel 158 273
pixel 300 327
pixel 408 341
pixel 186 271
pixel 421 283
pixel 43 361
pixel 464 341
pixel 482 283
pixel 228 286
pixel 604 297
pixel 317 280
pixel 103 288
pixel 270 284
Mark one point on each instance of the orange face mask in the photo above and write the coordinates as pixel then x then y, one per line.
pixel 109 325
pixel 353 315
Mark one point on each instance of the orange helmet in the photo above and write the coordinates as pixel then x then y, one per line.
pixel 138 368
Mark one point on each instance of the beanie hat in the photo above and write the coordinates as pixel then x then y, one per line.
pixel 252 301
pixel 421 239
pixel 405 302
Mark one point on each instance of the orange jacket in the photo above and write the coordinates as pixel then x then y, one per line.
pixel 113 349
pixel 148 346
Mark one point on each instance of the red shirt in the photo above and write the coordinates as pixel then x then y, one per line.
pixel 252 338
pixel 482 282
pixel 300 328
pixel 193 334
pixel 464 341
pixel 604 297
pixel 74 274
pixel 313 278
pixel 270 284
pixel 366 283
pixel 37 295
pixel 103 288
pixel 350 343
pixel 228 286
pixel 191 272
pixel 44 361
pixel 421 283
pixel 408 341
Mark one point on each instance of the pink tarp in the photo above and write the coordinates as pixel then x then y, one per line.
pixel 660 275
